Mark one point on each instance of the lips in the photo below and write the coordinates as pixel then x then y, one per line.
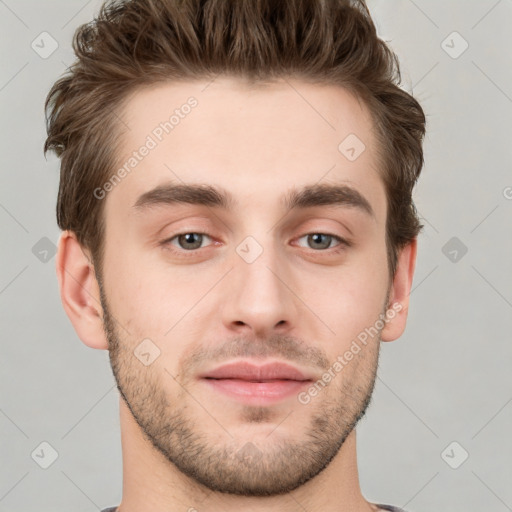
pixel 258 385
pixel 249 372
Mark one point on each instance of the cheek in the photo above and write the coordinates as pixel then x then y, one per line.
pixel 353 299
pixel 164 305
pixel 139 297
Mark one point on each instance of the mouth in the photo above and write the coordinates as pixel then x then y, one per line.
pixel 257 385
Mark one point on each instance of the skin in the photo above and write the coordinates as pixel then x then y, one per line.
pixel 184 446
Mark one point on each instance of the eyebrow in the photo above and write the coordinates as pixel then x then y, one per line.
pixel 217 197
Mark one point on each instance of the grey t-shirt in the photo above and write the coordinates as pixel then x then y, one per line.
pixel 391 508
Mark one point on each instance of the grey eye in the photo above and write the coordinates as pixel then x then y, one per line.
pixel 189 241
pixel 319 240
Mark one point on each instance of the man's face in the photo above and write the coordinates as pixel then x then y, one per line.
pixel 254 282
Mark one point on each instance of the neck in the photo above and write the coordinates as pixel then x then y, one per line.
pixel 152 483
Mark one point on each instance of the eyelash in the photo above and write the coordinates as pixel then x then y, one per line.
pixel 342 245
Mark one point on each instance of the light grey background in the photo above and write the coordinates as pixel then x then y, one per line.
pixel 448 379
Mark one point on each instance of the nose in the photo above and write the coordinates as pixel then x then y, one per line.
pixel 259 298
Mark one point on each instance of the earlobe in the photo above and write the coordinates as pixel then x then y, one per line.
pixel 79 291
pixel 399 294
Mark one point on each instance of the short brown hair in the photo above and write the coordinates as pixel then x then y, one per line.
pixel 135 43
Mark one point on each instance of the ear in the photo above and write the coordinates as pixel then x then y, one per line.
pixel 398 306
pixel 79 291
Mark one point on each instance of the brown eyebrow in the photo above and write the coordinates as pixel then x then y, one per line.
pixel 327 195
pixel 217 197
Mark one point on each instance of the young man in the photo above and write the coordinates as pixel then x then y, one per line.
pixel 239 234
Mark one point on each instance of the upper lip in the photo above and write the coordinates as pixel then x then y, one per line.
pixel 245 370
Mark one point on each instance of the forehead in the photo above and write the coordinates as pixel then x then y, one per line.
pixel 257 141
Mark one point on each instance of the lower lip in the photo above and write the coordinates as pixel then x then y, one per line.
pixel 257 393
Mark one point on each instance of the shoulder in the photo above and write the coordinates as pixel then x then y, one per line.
pixel 389 508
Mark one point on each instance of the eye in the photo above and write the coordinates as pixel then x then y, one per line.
pixel 192 240
pixel 187 241
pixel 323 241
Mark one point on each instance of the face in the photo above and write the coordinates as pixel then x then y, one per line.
pixel 256 268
